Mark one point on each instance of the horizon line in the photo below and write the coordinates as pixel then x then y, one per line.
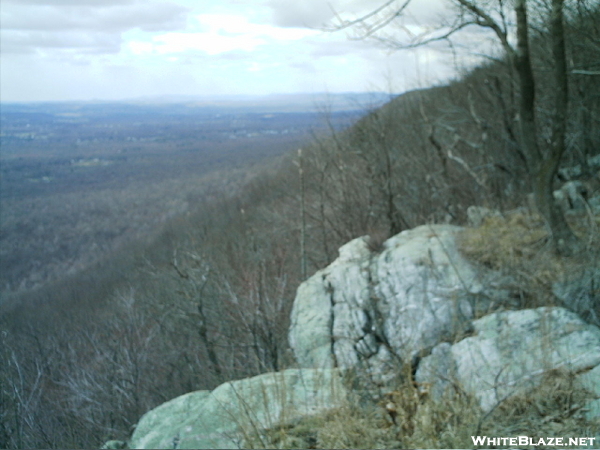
pixel 182 98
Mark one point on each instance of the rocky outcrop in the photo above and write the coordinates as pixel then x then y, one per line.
pixel 418 303
pixel 414 303
pixel 237 411
pixel 376 311
pixel 575 172
pixel 510 352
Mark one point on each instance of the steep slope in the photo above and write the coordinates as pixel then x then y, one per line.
pixel 421 334
pixel 212 301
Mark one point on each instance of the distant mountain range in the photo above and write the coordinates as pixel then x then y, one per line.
pixel 300 102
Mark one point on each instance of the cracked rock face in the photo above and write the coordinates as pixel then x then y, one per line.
pixel 511 351
pixel 376 311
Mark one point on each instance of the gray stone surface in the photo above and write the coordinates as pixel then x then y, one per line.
pixel 511 351
pixel 113 445
pixel 578 288
pixel 311 322
pixel 591 381
pixel 225 417
pixel 570 196
pixel 376 310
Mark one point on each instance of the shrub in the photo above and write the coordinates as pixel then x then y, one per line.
pixel 516 244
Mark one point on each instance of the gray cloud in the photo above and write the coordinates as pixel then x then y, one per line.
pixel 300 13
pixel 146 16
pixel 93 25
pixel 320 13
pixel 71 2
pixel 46 46
pixel 33 41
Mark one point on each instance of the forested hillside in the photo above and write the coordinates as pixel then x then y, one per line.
pixel 209 300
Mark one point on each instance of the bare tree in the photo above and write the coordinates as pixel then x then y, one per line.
pixel 542 160
pixel 194 279
pixel 584 42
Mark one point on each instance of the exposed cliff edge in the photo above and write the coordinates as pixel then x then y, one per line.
pixel 237 411
pixel 380 310
pixel 414 302
pixel 417 303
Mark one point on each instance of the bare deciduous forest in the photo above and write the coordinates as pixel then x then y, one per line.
pixel 189 279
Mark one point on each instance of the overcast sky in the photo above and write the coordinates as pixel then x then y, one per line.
pixel 119 49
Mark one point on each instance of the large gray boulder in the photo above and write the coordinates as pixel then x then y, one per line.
pixel 377 311
pixel 511 351
pixel 235 411
pixel 578 288
pixel 590 380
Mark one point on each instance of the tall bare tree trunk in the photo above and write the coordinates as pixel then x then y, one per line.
pixel 544 169
pixel 522 62
pixel 563 235
pixel 303 265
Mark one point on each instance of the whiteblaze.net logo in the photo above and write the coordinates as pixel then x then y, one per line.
pixel 533 442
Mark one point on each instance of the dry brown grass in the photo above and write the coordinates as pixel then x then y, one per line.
pixel 505 240
pixel 516 244
pixel 555 408
pixel 417 422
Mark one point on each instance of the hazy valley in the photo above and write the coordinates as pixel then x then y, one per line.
pixel 79 181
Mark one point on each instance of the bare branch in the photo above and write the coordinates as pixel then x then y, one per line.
pixel 363 20
pixel 586 72
pixel 421 41
pixel 486 21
